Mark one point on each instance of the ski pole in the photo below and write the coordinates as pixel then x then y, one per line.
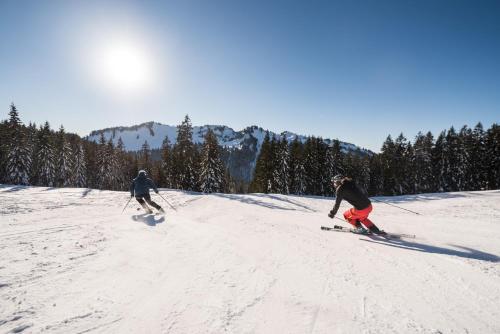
pixel 373 199
pixel 167 201
pixel 126 204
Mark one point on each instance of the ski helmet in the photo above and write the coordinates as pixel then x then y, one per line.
pixel 337 178
pixel 142 172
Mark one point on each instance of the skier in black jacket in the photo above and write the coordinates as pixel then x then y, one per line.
pixel 140 188
pixel 347 189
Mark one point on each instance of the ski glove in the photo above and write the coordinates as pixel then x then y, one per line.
pixel 331 214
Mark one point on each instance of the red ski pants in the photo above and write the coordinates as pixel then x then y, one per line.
pixel 353 214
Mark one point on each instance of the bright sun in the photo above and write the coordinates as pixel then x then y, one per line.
pixel 124 67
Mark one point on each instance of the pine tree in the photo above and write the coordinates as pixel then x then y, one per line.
pixel 64 160
pixel 297 171
pixel 492 157
pixel 185 158
pixel 120 166
pixel 3 149
pixel 376 186
pixel 45 159
pixel 311 166
pixel 476 148
pixel 103 164
pixel 114 176
pixel 387 158
pixel 263 168
pixel 401 164
pixel 80 167
pixel 438 163
pixel 281 156
pixel 452 167
pixel 211 168
pixel 166 164
pixel 31 142
pixel 145 161
pixel 18 160
pixel 422 163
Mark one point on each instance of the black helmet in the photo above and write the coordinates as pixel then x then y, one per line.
pixel 142 172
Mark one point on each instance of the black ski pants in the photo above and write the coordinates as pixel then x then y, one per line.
pixel 148 199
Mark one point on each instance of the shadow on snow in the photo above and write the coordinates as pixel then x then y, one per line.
pixel 148 219
pixel 463 252
pixel 250 199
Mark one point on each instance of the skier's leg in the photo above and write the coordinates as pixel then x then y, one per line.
pixel 350 216
pixel 143 204
pixel 367 222
pixel 152 203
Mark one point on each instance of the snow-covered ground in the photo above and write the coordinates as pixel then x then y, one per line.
pixel 70 262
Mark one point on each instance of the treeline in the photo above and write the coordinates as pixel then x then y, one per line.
pixel 31 155
pixel 455 161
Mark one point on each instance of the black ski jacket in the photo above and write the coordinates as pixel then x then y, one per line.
pixel 141 184
pixel 352 194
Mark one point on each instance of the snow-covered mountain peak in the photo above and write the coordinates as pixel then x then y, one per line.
pixel 154 133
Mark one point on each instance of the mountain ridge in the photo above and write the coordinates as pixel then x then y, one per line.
pixel 221 131
pixel 241 148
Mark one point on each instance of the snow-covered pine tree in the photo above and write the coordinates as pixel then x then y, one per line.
pixel 211 167
pixel 438 163
pixel 311 166
pixel 3 149
pixel 476 147
pixel 330 170
pixel 376 186
pixel 464 154
pixel 113 183
pixel 388 166
pixel 18 162
pixel 324 179
pixel 80 167
pixel 145 161
pixel 281 167
pixel 401 159
pixel 263 168
pixel 363 179
pixel 185 157
pixel 422 163
pixel 45 159
pixel 294 156
pixel 166 164
pixel 492 154
pixel 64 160
pixel 120 166
pixel 452 161
pixel 31 142
pixel 103 165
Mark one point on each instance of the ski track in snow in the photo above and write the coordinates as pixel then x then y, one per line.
pixel 71 263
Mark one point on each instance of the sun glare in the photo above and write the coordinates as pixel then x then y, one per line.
pixel 124 67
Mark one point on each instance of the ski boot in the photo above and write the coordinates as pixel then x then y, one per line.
pixel 375 230
pixel 359 229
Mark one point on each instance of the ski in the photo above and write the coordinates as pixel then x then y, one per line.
pixel 338 228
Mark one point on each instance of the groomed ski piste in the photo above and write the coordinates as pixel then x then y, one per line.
pixel 70 262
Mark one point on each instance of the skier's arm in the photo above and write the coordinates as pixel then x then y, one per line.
pixel 153 185
pixel 338 199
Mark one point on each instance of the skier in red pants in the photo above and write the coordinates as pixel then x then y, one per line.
pixel 348 190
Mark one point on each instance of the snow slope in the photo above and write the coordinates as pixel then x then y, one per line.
pixel 71 263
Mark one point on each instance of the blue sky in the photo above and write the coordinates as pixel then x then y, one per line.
pixel 352 70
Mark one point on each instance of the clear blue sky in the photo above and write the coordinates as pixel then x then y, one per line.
pixel 353 70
